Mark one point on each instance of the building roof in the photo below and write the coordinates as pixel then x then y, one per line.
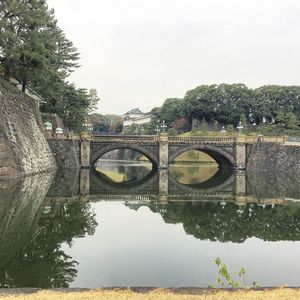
pixel 135 111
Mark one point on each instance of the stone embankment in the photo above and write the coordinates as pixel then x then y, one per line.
pixel 23 147
pixel 273 156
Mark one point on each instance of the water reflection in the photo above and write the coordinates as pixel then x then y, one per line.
pixel 33 228
pixel 228 222
pixel 44 218
pixel 192 174
pixel 123 171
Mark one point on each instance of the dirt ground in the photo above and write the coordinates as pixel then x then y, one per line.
pixel 150 294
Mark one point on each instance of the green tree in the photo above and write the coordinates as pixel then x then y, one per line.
pixel 224 103
pixel 172 131
pixel 292 122
pixel 171 110
pixel 77 103
pixel 216 125
pixel 269 100
pixel 203 126
pixel 132 129
pixel 32 47
pixel 230 129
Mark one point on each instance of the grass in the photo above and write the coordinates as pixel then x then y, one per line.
pixel 115 176
pixel 280 293
pixel 194 156
pixel 193 174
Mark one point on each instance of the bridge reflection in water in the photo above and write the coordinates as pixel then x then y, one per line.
pixel 161 185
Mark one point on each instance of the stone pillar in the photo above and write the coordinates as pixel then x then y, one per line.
pixel 84 181
pixel 240 187
pixel 163 151
pixel 85 149
pixel 240 153
pixel 163 191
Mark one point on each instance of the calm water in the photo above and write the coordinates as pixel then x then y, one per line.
pixel 128 225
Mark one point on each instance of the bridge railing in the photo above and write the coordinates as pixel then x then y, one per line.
pixel 221 139
pixel 143 138
pixel 176 139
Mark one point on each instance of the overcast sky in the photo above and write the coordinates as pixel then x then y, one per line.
pixel 137 53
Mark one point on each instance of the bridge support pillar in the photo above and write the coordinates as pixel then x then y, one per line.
pixel 163 151
pixel 240 153
pixel 163 185
pixel 240 187
pixel 84 182
pixel 85 149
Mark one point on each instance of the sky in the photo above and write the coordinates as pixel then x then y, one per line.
pixel 137 53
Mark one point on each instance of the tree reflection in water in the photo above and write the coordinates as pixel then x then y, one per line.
pixel 43 263
pixel 228 222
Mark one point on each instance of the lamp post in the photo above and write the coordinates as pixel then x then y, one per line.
pixel 157 129
pixel 163 126
pixel 223 130
pixel 240 127
pixel 88 126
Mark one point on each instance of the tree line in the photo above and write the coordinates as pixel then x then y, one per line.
pixel 268 109
pixel 36 52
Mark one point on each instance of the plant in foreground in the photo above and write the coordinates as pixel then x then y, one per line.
pixel 224 278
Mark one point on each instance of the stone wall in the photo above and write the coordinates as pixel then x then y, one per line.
pixel 278 157
pixel 66 153
pixel 23 147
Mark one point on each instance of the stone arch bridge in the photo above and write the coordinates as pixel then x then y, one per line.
pixel 228 152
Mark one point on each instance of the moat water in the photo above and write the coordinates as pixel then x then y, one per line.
pixel 128 225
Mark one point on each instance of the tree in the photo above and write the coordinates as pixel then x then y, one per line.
pixel 32 47
pixel 224 103
pixel 230 128
pixel 216 125
pixel 77 103
pixel 244 122
pixel 171 110
pixel 203 126
pixel 292 122
pixel 172 131
pixel 94 99
pixel 269 100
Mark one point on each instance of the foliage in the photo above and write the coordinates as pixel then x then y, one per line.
pixel 231 103
pixel 224 103
pixel 231 223
pixel 106 123
pixel 43 263
pixel 172 131
pixel 76 105
pixel 225 277
pixel 203 126
pixel 216 126
pixel 171 110
pixel 230 129
pixel 132 129
pixel 36 52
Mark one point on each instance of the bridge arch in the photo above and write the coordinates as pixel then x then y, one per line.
pixel 99 152
pixel 222 181
pixel 100 183
pixel 222 157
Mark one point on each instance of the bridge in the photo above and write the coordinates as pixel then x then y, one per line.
pixel 161 150
pixel 230 152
